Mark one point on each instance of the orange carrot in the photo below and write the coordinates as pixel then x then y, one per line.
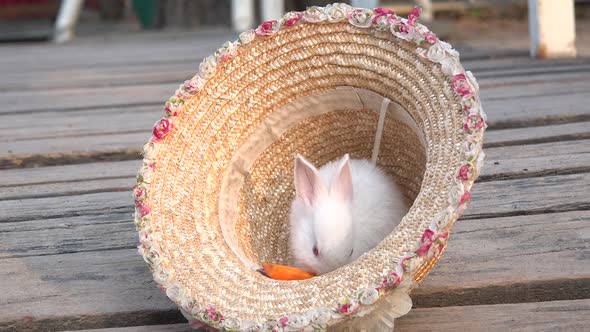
pixel 282 272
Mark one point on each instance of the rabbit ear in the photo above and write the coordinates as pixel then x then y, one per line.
pixel 341 186
pixel 308 183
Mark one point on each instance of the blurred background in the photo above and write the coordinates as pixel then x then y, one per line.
pixel 478 23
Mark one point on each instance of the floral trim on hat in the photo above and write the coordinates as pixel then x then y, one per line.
pixel 431 242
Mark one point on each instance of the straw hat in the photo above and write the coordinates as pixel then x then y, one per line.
pixel 213 194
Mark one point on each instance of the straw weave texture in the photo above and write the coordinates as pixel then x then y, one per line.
pixel 264 77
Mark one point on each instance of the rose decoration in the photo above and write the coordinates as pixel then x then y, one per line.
pixel 161 129
pixel 267 28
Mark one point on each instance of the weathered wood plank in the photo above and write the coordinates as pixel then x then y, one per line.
pixel 104 142
pixel 66 206
pixel 513 72
pixel 537 110
pixel 69 173
pixel 537 317
pixel 46 189
pixel 536 135
pixel 47 225
pixel 180 327
pixel 512 259
pixel 25 101
pixel 525 257
pixel 67 235
pixel 531 160
pixel 120 50
pixel 100 285
pixel 76 77
pixel 74 98
pixel 527 196
pixel 65 125
pixel 154 47
pixel 533 317
pixel 490 199
pixel 84 131
pixel 509 162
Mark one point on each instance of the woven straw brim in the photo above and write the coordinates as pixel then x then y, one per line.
pixel 211 257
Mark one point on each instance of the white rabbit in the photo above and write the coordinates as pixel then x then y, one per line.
pixel 340 212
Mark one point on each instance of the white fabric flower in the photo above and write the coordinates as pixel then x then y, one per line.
pixel 227 51
pixel 369 296
pixel 436 52
pixel 296 322
pixel 472 148
pixel 231 324
pixel 314 14
pixel 247 36
pixel 451 66
pixel 337 12
pixel 250 326
pixel 150 150
pixel 207 67
pixel 361 17
pixel 160 275
pixel 319 315
pixel 440 220
pixel 455 193
pixel 186 301
pixel 447 47
pixel 173 291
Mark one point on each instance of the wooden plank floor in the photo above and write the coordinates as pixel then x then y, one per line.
pixel 75 116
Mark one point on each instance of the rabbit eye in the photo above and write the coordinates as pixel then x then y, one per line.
pixel 351 251
pixel 316 253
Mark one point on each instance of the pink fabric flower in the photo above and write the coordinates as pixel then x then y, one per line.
pixel 168 109
pixel 360 17
pixel 461 85
pixel 403 27
pixel 266 28
pixel 426 242
pixel 465 198
pixel 439 243
pixel 431 241
pixel 473 122
pixel 414 15
pixel 226 56
pixel 381 12
pixel 468 102
pixel 138 193
pixel 188 88
pixel 430 37
pixel 143 208
pixel 392 280
pixel 344 308
pixel 161 129
pixel 283 321
pixel 213 315
pixel 292 19
pixel 464 172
